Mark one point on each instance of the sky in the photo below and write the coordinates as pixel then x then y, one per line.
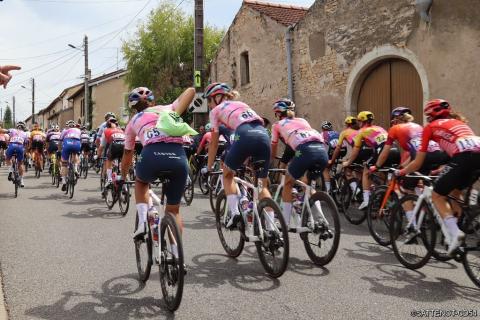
pixel 35 35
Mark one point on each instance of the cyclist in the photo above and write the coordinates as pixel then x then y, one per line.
pixel 4 138
pixel 38 144
pixel 70 145
pixel 457 139
pixel 248 128
pixel 113 141
pixel 53 140
pixel 27 144
pixel 16 146
pixel 308 144
pixel 98 138
pixel 374 138
pixel 160 152
pixel 331 138
pixel 85 142
pixel 207 138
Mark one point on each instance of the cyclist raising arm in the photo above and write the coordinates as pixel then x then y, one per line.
pixel 456 138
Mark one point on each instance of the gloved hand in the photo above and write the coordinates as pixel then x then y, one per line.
pixel 95 157
pixel 399 173
pixel 204 170
pixel 345 164
pixel 372 169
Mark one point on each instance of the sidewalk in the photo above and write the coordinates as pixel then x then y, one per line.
pixel 3 311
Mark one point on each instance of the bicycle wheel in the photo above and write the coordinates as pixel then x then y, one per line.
pixel 71 183
pixel 58 177
pixel 337 182
pixel 85 168
pixel 53 174
pixel 143 252
pixel 203 183
pixel 351 200
pixel 172 268
pixel 379 221
pixel 232 239
pixel 441 247
pixel 274 250
pixel 471 257
pixel 214 191
pixel 412 246
pixel 322 242
pixel 109 196
pixel 189 191
pixel 124 199
pixel 102 182
pixel 16 182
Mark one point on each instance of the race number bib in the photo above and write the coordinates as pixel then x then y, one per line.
pixel 246 115
pixel 118 136
pixel 468 144
pixel 300 135
pixel 381 138
pixel 152 133
pixel 333 143
pixel 37 137
pixel 17 139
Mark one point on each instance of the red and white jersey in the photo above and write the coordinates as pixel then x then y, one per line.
pixel 453 136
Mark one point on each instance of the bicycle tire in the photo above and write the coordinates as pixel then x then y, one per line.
pixel 471 256
pixel 323 232
pixel 172 268
pixel 213 194
pixel 349 203
pixel 272 241
pixel 124 199
pixel 85 168
pixel 221 209
pixel 16 182
pixel 71 183
pixel 189 191
pixel 110 196
pixel 203 184
pixel 398 235
pixel 379 224
pixel 143 267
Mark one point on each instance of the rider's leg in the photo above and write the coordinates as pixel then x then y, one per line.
pixel 109 170
pixel 327 178
pixel 287 198
pixel 366 188
pixel 141 199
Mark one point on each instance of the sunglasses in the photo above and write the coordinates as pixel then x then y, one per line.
pixel 442 106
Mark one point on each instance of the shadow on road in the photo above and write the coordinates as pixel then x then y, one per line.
pixel 204 220
pixel 95 212
pixel 371 252
pixel 397 281
pixel 112 302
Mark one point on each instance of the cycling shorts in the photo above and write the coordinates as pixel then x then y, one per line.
pixel 433 160
pixel 115 151
pixel 17 149
pixel 52 147
pixel 85 147
pixel 138 147
pixel 38 145
pixel 3 145
pixel 251 140
pixel 288 154
pixel 393 158
pixel 158 157
pixel 457 173
pixel 308 156
pixel 70 146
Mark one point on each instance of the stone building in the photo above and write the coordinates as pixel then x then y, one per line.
pixel 252 55
pixel 352 55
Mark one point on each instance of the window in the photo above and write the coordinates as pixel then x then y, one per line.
pixel 244 68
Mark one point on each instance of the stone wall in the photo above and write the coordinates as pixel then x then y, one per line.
pixel 264 39
pixel 108 96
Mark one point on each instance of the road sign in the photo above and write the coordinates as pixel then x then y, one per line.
pixel 197 79
pixel 199 104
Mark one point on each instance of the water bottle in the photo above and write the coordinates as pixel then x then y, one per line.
pixel 156 222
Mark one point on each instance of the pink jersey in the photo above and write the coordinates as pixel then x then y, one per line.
pixel 17 136
pixel 232 114
pixel 143 125
pixel 4 137
pixel 295 132
pixel 71 133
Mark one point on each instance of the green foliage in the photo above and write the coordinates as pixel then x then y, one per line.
pixel 7 118
pixel 160 54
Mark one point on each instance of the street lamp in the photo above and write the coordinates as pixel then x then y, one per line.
pixel 86 78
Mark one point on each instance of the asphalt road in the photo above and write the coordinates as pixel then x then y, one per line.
pixel 73 259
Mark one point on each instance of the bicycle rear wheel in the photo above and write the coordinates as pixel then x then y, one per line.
pixel 189 191
pixel 471 257
pixel 85 168
pixel 71 182
pixel 322 243
pixel 143 252
pixel 109 196
pixel 203 183
pixel 16 182
pixel 124 199
pixel 274 250
pixel 379 220
pixel 413 246
pixel 172 268
pixel 351 200
pixel 232 239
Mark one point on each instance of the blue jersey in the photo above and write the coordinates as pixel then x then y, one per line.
pixel 331 138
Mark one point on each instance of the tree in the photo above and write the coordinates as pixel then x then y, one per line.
pixel 160 54
pixel 7 118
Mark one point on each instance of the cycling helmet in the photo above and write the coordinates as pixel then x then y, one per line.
pixel 283 105
pixel 83 127
pixel 140 94
pixel 216 88
pixel 56 127
pixel 365 116
pixel 350 120
pixel 208 127
pixel 21 124
pixel 437 108
pixel 109 115
pixel 326 125
pixel 70 123
pixel 112 120
pixel 398 111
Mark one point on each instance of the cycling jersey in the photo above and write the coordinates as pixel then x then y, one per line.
pixel 85 137
pixel 295 132
pixel 17 136
pixel 331 138
pixel 111 135
pixel 37 135
pixel 207 138
pixel 409 137
pixel 53 136
pixel 373 136
pixel 453 136
pixel 232 114
pixel 70 133
pixel 143 125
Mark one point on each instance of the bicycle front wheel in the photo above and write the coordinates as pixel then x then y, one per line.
pixel 71 183
pixel 232 239
pixel 413 245
pixel 274 249
pixel 351 200
pixel 124 199
pixel 189 191
pixel 378 220
pixel 322 242
pixel 109 196
pixel 172 268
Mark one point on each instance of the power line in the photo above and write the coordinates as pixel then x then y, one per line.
pixel 85 1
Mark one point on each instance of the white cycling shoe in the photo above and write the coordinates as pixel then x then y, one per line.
pixel 456 242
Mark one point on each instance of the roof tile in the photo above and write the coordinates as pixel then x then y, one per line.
pixel 284 14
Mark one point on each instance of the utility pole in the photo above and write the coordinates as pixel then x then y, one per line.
pixel 198 76
pixel 33 100
pixel 13 107
pixel 1 114
pixel 87 76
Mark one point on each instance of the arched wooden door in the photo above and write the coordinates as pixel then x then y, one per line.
pixel 389 84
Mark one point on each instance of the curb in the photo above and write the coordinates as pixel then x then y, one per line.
pixel 3 309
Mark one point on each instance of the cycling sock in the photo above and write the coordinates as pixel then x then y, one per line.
pixel 328 185
pixel 142 209
pixel 353 185
pixel 232 201
pixel 409 215
pixel 286 211
pixel 270 220
pixel 366 195
pixel 451 223
pixel 109 174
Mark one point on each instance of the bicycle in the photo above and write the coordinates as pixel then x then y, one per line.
pixel 71 178
pixel 15 173
pixel 189 191
pixel 420 231
pixel 83 166
pixel 113 193
pixel 215 185
pixel 37 165
pixel 155 247
pixel 268 232
pixel 316 231
pixel 54 170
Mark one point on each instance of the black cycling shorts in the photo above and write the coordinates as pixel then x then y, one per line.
pixel 3 145
pixel 288 154
pixel 458 173
pixel 115 151
pixel 433 160
pixel 52 146
pixel 364 155
pixel 38 145
pixel 393 158
pixel 85 147
pixel 138 147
